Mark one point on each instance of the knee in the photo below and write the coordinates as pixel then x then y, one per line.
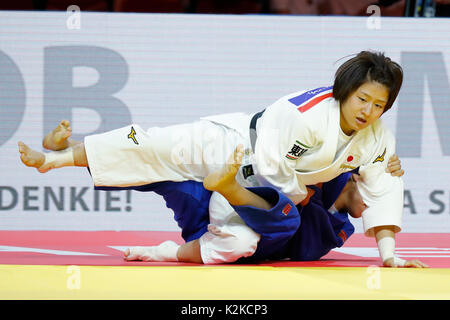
pixel 241 242
pixel 242 247
pixel 228 244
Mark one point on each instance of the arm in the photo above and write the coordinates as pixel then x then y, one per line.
pixel 190 252
pixel 385 237
pixel 383 194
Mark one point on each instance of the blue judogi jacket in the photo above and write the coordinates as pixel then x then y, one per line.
pixel 318 232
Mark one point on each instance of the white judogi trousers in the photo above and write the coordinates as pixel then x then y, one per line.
pixel 131 156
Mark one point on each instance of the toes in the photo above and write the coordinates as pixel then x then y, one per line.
pixel 65 127
pixel 239 157
pixel 130 257
pixel 62 131
pixel 62 126
pixel 239 153
pixel 22 147
pixel 132 254
pixel 65 123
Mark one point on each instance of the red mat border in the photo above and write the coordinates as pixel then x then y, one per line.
pixel 98 242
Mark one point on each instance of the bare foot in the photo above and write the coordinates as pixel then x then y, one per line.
pixel 135 253
pixel 221 180
pixel 58 139
pixel 30 157
pixel 126 255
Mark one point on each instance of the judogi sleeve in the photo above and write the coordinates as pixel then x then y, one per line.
pixel 280 129
pixel 381 192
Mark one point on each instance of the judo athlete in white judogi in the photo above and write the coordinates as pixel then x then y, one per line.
pixel 302 139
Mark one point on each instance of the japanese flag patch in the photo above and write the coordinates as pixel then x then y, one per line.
pixel 297 150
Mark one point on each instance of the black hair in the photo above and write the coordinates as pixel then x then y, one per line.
pixel 368 66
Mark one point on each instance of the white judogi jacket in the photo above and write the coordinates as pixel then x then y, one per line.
pixel 296 145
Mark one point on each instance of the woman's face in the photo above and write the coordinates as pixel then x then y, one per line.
pixel 363 106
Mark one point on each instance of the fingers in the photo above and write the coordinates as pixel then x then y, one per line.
pixel 394 160
pixel 408 264
pixel 394 164
pixel 415 264
pixel 394 167
pixel 394 157
pixel 396 172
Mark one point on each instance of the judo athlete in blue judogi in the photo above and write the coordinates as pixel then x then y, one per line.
pixel 319 229
pixel 300 233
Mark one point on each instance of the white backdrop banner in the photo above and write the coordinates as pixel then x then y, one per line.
pixel 102 71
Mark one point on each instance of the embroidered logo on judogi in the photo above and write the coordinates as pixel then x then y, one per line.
pixel 297 150
pixel 348 165
pixel 132 135
pixel 286 209
pixel 381 157
pixel 247 171
pixel 342 235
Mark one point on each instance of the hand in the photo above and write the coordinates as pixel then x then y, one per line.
pixel 394 166
pixel 408 264
pixel 415 264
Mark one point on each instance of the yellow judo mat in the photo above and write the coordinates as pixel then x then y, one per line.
pixel 28 282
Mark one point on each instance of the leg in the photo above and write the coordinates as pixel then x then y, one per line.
pixel 56 140
pixel 166 251
pixel 72 156
pixel 131 156
pixel 190 252
pixel 224 244
pixel 223 181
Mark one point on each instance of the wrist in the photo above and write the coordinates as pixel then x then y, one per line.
pixel 394 262
pixel 399 262
pixel 386 247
